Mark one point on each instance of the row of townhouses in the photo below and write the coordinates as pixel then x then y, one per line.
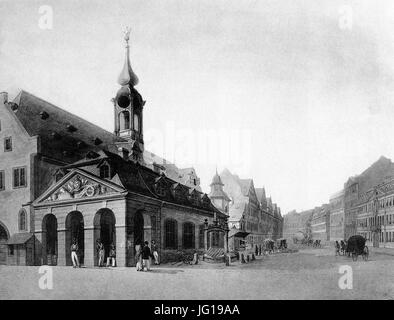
pixel 252 216
pixel 364 206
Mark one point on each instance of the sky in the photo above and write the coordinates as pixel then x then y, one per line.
pixel 297 95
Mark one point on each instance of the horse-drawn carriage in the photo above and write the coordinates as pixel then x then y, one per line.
pixel 356 247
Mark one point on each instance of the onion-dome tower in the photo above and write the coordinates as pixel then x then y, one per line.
pixel 128 106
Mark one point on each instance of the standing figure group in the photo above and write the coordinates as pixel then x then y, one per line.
pixel 144 254
pixel 111 259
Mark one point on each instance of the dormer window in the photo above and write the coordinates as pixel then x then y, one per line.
pixel 71 128
pixel 44 115
pixel 105 171
pixel 195 197
pixel 161 189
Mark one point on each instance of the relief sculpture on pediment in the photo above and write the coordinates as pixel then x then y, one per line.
pixel 78 187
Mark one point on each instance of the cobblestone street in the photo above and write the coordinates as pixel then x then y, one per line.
pixel 307 274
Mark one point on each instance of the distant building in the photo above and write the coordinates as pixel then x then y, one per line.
pixel 337 216
pixel 320 223
pixel 357 186
pixel 375 214
pixel 295 222
pixel 252 217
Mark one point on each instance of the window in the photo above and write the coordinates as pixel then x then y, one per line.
pixel 188 235
pixel 124 120
pixel 2 180
pixel 171 234
pixel 22 220
pixel 104 171
pixel 7 144
pixel 136 122
pixel 19 177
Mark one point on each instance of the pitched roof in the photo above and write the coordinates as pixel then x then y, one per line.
pixel 68 138
pixel 373 175
pixel 19 238
pixel 64 136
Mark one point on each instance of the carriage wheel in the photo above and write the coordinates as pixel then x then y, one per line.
pixel 366 253
pixel 354 256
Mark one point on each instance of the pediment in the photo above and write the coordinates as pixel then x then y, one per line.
pixel 79 184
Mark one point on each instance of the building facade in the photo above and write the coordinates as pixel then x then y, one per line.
pixel 297 223
pixel 320 226
pixel 337 216
pixel 375 214
pixel 252 216
pixel 356 187
pixel 63 178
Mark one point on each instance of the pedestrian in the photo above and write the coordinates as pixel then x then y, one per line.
pixel 337 248
pixel 146 255
pixel 138 256
pixel 155 253
pixel 74 253
pixel 100 252
pixel 112 256
pixel 256 251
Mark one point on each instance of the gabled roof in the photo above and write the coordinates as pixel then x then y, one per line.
pixel 260 193
pixel 20 238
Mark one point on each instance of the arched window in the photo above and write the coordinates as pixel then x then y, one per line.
pixel 104 171
pixel 188 235
pixel 171 234
pixel 136 122
pixel 22 220
pixel 124 120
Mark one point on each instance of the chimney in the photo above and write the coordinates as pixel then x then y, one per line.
pixel 124 153
pixel 4 97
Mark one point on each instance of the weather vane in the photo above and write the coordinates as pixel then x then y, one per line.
pixel 127 34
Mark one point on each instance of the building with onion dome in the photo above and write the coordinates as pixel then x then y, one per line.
pixel 64 178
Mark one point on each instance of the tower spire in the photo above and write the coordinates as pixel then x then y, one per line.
pixel 127 75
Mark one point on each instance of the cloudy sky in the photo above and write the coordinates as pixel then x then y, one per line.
pixel 296 94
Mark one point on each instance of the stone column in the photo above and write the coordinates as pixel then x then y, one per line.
pixel 90 247
pixel 226 242
pixel 206 239
pixel 120 246
pixel 61 247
